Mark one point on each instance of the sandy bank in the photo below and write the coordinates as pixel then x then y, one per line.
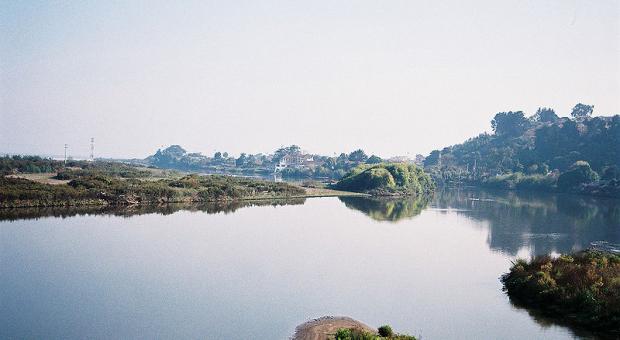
pixel 322 328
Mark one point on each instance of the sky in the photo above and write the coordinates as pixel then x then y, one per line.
pixel 391 77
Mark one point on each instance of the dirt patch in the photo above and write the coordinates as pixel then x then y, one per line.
pixel 45 178
pixel 325 327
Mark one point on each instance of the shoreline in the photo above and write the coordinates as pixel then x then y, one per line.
pixel 310 193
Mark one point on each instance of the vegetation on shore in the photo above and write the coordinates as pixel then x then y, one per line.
pixel 387 179
pixel 582 289
pixel 91 188
pixel 544 152
pixel 383 333
pixel 10 165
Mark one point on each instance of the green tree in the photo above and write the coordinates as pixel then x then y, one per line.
pixel 289 150
pixel 432 159
pixel 578 174
pixel 582 111
pixel 358 156
pixel 510 124
pixel 241 160
pixel 544 114
pixel 374 160
pixel 385 331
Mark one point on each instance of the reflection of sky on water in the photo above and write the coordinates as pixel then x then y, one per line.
pixel 184 271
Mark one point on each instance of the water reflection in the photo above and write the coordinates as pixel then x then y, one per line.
pixel 384 209
pixel 537 223
pixel 547 321
pixel 541 223
pixel 265 269
pixel 13 214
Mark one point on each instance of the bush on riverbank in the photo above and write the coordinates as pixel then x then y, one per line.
pixel 387 179
pixel 582 289
pixel 521 181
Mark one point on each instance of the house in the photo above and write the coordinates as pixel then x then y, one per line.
pixel 295 161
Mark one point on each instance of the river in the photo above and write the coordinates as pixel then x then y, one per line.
pixel 428 267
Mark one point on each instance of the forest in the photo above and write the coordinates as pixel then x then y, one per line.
pixel 580 153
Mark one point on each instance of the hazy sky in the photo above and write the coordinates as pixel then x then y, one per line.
pixel 392 77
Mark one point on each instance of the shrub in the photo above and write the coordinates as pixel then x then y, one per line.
pixel 582 289
pixel 579 173
pixel 385 331
pixel 387 178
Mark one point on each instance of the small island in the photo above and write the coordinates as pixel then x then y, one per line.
pixel 580 290
pixel 344 328
pixel 387 179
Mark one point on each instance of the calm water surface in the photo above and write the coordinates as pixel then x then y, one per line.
pixel 429 268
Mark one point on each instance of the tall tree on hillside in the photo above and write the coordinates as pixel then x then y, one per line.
pixel 509 124
pixel 374 159
pixel 582 111
pixel 241 160
pixel 358 156
pixel 432 159
pixel 544 114
pixel 289 150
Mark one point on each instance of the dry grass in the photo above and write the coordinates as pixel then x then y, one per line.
pixel 44 178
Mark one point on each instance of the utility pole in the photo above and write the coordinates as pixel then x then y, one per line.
pixel 66 146
pixel 92 149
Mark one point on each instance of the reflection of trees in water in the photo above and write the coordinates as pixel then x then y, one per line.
pixel 548 319
pixel 225 207
pixel 540 221
pixel 387 209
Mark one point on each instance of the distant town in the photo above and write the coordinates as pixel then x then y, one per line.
pixel 288 162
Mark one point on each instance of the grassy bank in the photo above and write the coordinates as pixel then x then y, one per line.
pixel 99 189
pixel 581 290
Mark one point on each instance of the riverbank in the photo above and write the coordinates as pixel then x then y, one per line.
pixel 100 189
pixel 580 290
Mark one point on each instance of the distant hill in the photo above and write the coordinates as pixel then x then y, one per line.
pixel 537 151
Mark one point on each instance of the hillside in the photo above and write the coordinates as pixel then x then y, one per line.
pixel 387 179
pixel 535 152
